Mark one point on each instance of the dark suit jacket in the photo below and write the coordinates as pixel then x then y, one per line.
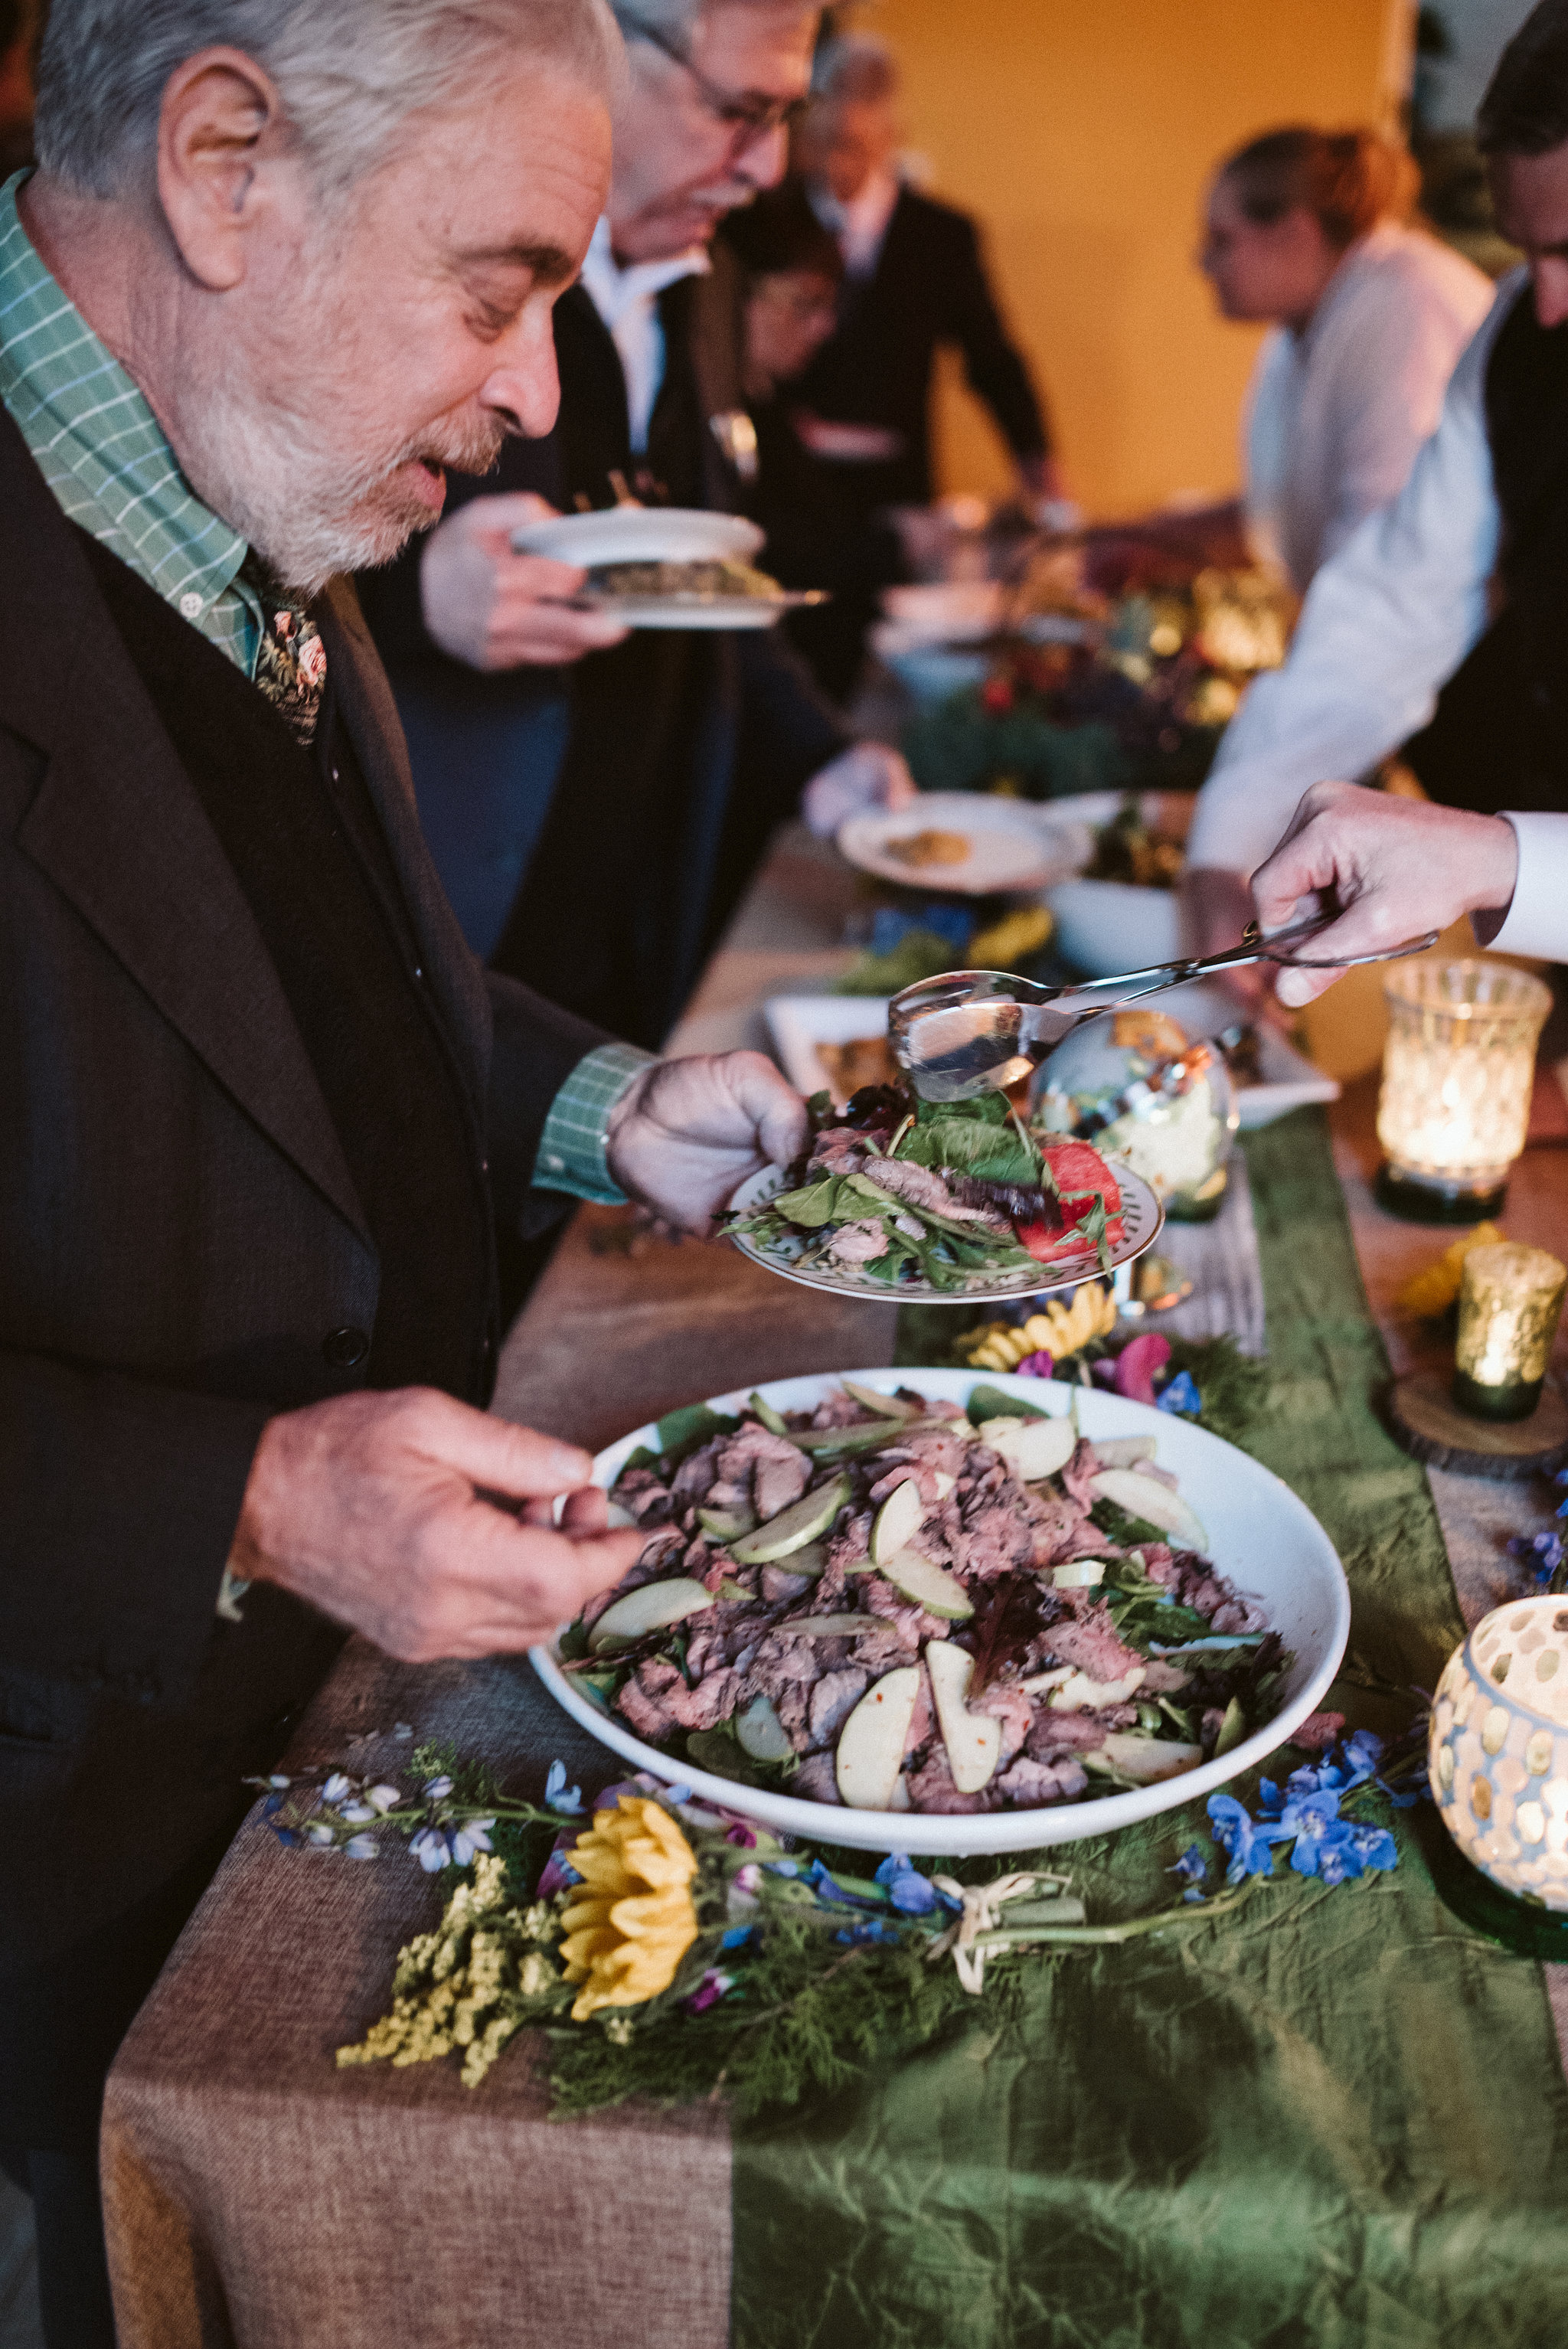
pixel 929 287
pixel 682 749
pixel 177 1236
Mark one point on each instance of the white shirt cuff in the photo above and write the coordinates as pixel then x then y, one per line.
pixel 1536 922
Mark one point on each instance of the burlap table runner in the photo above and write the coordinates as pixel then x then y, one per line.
pixel 1350 2131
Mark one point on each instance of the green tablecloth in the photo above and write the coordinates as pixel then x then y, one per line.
pixel 1335 2121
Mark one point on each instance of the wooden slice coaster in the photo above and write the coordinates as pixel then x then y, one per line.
pixel 1428 1422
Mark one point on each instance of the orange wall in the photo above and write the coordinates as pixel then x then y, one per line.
pixel 1082 131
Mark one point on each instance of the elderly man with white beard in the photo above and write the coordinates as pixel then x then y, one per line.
pixel 260 1114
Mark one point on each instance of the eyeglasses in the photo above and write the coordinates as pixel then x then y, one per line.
pixel 746 113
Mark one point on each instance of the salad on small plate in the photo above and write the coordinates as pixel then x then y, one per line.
pixel 929 1200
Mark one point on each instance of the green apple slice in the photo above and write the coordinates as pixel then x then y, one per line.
pixel 829 1626
pixel 898 1521
pixel 651 1606
pixel 1123 1451
pixel 974 1739
pixel 1079 1574
pixel 870 1755
pixel 618 1519
pixel 1156 1503
pixel 761 1733
pixel 727 1525
pixel 793 1527
pixel 1079 1693
pixel 773 1421
pixel 1147 1760
pixel 812 1561
pixel 886 1406
pixel 1032 1448
pixel 931 1587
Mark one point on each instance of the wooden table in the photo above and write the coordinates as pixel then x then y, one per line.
pixel 224 2116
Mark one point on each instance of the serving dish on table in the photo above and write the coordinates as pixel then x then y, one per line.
pixel 815 1037
pixel 1278 1572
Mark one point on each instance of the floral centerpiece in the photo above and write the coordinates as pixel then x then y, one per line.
pixel 1138 701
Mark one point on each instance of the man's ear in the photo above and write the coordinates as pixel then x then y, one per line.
pixel 221 122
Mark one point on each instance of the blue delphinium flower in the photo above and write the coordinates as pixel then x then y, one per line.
pixel 432 1849
pixel 905 1886
pixel 1241 1839
pixel 558 1795
pixel 438 1789
pixel 472 1837
pixel 678 1793
pixel 867 1931
pixel 362 1847
pixel 1193 1868
pixel 1543 1553
pixel 1179 1394
pixel 285 1835
pixel 827 1888
pixel 738 1937
pixel 1374 1847
pixel 336 1786
pixel 1322 1841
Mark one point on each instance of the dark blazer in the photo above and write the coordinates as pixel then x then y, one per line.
pixel 929 287
pixel 178 1234
pixel 682 749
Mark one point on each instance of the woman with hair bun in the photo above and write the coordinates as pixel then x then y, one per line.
pixel 1308 229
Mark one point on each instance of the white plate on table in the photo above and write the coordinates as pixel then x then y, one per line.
pixel 1143 1216
pixel 798 1024
pixel 1010 846
pixel 1262 1540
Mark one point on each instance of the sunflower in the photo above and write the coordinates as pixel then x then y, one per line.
pixel 633 1922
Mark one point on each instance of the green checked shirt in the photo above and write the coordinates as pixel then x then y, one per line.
pixel 103 453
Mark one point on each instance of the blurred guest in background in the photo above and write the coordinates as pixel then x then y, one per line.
pixel 1306 228
pixel 792 270
pixel 1391 619
pixel 914 280
pixel 595 824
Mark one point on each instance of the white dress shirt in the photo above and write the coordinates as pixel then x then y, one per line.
pixel 861 225
pixel 1335 415
pixel 627 301
pixel 1386 623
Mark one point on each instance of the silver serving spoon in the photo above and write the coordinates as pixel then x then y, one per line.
pixel 967 1033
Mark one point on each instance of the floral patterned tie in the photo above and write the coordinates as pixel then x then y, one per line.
pixel 290 662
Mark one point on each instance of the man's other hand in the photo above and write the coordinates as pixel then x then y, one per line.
pixel 496 609
pixel 1396 867
pixel 426 1524
pixel 868 776
pixel 686 1135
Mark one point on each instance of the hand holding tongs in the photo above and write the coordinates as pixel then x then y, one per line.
pixel 974 1031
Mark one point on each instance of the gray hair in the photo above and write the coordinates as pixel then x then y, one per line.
pixel 856 67
pixel 676 20
pixel 348 72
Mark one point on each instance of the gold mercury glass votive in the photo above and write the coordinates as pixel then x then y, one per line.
pixel 1458 1070
pixel 1511 1300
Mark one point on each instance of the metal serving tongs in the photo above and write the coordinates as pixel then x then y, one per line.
pixel 967 1033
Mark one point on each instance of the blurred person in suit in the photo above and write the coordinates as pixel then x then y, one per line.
pixel 915 280
pixel 263 1120
pixel 792 271
pixel 596 802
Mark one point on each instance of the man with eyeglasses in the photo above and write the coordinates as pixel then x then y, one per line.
pixel 596 802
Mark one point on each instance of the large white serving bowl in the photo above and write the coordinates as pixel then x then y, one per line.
pixel 1262 1539
pixel 1106 926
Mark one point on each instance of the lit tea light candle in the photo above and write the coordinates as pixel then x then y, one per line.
pixel 1457 1071
pixel 1511 1300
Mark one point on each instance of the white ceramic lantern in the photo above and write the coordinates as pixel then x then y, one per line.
pixel 1497 1755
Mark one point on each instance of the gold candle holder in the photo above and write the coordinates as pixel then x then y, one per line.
pixel 1511 1300
pixel 1457 1071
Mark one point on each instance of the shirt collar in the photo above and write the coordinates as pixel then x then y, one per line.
pixel 861 223
pixel 613 290
pixel 95 440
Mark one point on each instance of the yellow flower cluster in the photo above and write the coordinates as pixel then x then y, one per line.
pixel 1057 1329
pixel 1432 1292
pixel 460 1986
pixel 634 1921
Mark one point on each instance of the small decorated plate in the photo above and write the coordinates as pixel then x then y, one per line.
pixel 698 610
pixel 1143 1217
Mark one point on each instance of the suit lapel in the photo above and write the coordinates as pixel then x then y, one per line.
pixel 119 831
